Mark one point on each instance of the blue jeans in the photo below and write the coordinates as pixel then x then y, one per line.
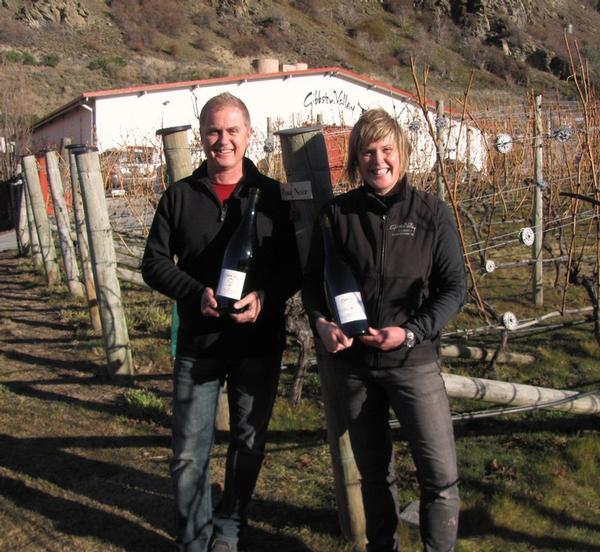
pixel 418 397
pixel 251 388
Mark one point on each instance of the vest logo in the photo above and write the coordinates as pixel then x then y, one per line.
pixel 403 229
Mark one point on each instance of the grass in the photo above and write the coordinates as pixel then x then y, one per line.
pixel 94 454
pixel 145 405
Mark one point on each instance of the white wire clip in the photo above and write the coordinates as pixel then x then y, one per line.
pixel 509 321
pixel 503 143
pixel 527 236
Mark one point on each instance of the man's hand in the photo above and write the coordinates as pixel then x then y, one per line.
pixel 334 339
pixel 384 339
pixel 250 307
pixel 208 303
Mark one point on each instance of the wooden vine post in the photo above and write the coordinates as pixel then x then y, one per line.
pixel 440 149
pixel 178 155
pixel 17 200
pixel 538 207
pixel 36 251
pixel 63 224
pixel 308 188
pixel 41 222
pixel 82 240
pixel 104 263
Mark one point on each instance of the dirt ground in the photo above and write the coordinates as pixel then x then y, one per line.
pixel 59 487
pixel 77 474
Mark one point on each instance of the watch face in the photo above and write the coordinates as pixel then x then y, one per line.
pixel 410 339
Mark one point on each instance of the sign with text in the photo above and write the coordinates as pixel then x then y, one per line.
pixel 294 191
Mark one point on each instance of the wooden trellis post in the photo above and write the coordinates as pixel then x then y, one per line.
pixel 17 193
pixel 309 185
pixel 440 149
pixel 104 263
pixel 63 225
pixel 40 216
pixel 82 241
pixel 36 252
pixel 178 155
pixel 538 206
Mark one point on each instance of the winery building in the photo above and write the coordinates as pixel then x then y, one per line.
pixel 277 98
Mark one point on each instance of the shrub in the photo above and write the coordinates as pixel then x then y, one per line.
pixel 50 60
pixel 14 56
pixel 28 59
pixel 375 28
pixel 247 46
pixel 107 65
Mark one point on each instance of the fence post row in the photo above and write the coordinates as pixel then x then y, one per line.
pixel 82 239
pixel 40 216
pixel 63 225
pixel 103 258
pixel 306 166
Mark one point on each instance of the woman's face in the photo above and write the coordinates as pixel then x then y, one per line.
pixel 381 165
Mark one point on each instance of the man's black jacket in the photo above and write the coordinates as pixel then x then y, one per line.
pixel 183 255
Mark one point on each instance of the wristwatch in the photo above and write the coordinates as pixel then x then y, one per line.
pixel 410 340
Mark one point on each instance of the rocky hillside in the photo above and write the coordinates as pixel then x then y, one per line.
pixel 55 49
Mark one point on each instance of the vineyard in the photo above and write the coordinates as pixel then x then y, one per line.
pixel 527 340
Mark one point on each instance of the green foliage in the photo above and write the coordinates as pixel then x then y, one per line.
pixel 153 317
pixel 108 65
pixel 50 59
pixel 15 56
pixel 145 405
pixel 375 28
pixel 216 73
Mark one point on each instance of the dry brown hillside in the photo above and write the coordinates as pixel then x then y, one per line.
pixel 59 48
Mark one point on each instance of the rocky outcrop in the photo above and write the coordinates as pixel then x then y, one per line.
pixel 40 13
pixel 504 24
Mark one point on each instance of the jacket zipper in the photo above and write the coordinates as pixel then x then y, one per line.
pixel 380 291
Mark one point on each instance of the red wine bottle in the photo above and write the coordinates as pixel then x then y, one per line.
pixel 342 288
pixel 237 259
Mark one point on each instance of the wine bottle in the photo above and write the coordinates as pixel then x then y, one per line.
pixel 238 258
pixel 343 292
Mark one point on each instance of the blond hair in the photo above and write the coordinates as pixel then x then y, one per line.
pixel 372 126
pixel 218 102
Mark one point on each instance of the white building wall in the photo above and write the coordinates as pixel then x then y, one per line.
pixel 288 101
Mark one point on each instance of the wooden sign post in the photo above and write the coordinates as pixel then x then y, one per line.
pixel 308 187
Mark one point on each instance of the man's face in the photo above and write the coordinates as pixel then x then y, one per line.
pixel 225 138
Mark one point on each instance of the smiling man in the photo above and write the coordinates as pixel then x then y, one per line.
pixel 193 223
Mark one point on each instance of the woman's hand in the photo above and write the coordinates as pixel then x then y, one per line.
pixel 334 339
pixel 384 339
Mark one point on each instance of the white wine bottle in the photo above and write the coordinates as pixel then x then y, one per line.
pixel 343 291
pixel 238 258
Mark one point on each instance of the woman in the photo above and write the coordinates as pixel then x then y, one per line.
pixel 404 249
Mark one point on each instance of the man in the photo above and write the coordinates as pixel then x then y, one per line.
pixel 193 223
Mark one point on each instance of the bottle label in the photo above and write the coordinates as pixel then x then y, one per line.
pixel 350 307
pixel 231 284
